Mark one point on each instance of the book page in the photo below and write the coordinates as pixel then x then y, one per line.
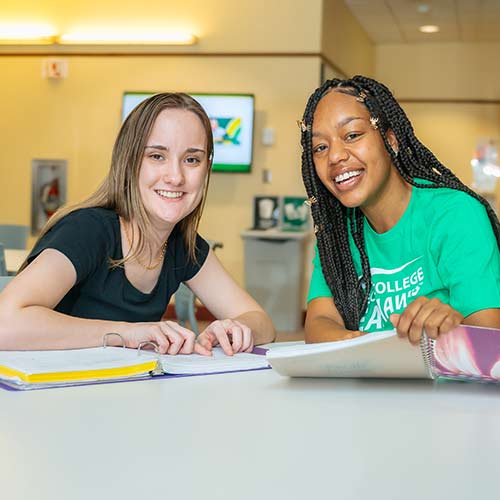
pixel 69 360
pixel 380 354
pixel 192 364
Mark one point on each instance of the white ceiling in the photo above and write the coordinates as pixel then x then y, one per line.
pixel 397 21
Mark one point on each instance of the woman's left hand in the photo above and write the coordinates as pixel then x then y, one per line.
pixel 232 335
pixel 426 314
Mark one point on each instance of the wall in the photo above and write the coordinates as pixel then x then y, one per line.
pixel 446 72
pixel 271 49
pixel 344 42
pixel 78 118
pixel 221 25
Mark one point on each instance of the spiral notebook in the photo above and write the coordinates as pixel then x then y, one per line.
pixel 467 353
pixel 39 369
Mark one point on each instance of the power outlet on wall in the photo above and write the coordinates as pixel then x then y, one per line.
pixel 267 176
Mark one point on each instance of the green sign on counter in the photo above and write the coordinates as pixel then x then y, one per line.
pixel 295 214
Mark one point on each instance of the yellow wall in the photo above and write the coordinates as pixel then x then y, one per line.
pixel 451 131
pixel 344 42
pixel 440 70
pixel 221 25
pixel 77 118
pixel 446 71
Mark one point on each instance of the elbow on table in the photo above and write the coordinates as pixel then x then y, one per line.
pixel 268 334
pixel 9 319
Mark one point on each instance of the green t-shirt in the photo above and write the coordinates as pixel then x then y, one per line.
pixel 443 246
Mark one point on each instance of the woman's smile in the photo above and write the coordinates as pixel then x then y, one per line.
pixel 348 179
pixel 169 195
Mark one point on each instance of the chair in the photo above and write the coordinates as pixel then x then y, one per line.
pixel 4 281
pixel 184 301
pixel 14 235
pixel 3 265
pixel 185 308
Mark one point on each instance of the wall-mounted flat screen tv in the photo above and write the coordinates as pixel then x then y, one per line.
pixel 231 116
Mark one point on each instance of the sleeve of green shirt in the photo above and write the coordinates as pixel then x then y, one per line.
pixel 467 256
pixel 317 286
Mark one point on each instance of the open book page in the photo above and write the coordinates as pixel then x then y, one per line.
pixel 467 353
pixel 380 354
pixel 195 364
pixel 24 367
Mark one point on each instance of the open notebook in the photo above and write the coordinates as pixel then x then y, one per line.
pixel 38 369
pixel 466 353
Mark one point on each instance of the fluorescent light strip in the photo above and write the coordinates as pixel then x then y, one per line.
pixel 164 38
pixel 26 34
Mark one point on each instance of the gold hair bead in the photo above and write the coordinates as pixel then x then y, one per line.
pixel 374 122
pixel 361 96
pixel 302 125
pixel 310 201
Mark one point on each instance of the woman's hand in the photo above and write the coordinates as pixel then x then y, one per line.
pixel 426 314
pixel 233 336
pixel 170 337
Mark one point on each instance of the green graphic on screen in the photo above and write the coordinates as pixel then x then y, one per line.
pixel 226 130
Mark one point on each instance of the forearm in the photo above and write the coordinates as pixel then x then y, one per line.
pixel 260 324
pixel 325 329
pixel 39 328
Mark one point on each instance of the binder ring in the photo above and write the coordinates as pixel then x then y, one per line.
pixel 148 342
pixel 158 369
pixel 104 339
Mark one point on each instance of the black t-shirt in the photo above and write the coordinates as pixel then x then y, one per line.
pixel 89 237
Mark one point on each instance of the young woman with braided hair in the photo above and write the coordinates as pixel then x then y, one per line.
pixel 401 242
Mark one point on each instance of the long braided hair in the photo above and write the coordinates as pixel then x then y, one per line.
pixel 333 222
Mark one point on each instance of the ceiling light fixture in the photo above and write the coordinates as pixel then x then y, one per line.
pixel 429 28
pixel 26 34
pixel 36 34
pixel 147 38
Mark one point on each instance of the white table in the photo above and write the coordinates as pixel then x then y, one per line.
pixel 14 258
pixel 249 436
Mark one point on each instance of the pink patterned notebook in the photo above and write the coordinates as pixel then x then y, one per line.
pixel 468 353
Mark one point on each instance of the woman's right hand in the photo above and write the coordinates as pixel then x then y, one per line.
pixel 170 337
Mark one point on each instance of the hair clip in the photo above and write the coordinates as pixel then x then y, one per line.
pixel 374 122
pixel 361 96
pixel 302 125
pixel 310 201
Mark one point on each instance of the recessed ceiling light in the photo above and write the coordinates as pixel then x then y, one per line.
pixel 429 28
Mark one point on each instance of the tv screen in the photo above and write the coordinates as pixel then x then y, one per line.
pixel 231 116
